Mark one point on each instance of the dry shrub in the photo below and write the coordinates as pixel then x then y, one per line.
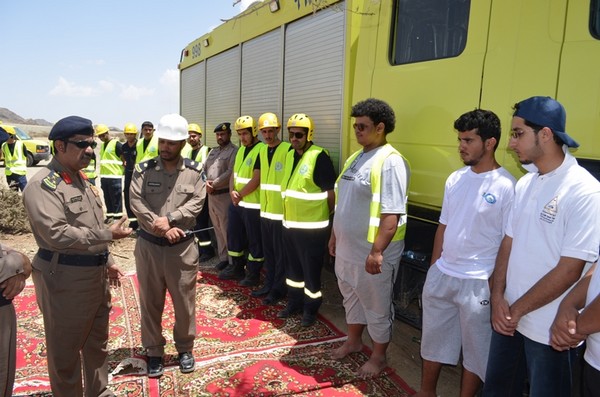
pixel 13 218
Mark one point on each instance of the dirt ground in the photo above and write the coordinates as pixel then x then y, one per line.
pixel 403 352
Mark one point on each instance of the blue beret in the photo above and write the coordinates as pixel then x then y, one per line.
pixel 223 127
pixel 69 126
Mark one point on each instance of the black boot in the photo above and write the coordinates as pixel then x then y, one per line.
pixel 233 271
pixel 252 279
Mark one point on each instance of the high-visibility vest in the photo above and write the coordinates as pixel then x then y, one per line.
pixel 111 165
pixel 304 204
pixel 90 170
pixel 150 152
pixel 15 162
pixel 375 207
pixel 271 175
pixel 243 170
pixel 200 156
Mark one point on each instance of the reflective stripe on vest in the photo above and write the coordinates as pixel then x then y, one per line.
pixel 90 170
pixel 243 170
pixel 111 165
pixel 271 175
pixel 151 149
pixel 16 162
pixel 304 204
pixel 375 206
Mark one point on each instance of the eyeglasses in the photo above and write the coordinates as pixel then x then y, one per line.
pixel 84 144
pixel 360 127
pixel 297 135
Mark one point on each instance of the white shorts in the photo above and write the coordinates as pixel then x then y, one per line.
pixel 456 314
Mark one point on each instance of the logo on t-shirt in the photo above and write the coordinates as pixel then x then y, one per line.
pixel 549 211
pixel 489 198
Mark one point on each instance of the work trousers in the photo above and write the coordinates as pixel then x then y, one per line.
pixel 203 222
pixel 8 346
pixel 75 304
pixel 127 183
pixel 112 189
pixel 304 262
pixel 243 234
pixel 274 252
pixel 218 209
pixel 16 182
pixel 161 269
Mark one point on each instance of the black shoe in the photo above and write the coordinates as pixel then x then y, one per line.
pixel 221 265
pixel 232 272
pixel 251 280
pixel 187 363
pixel 308 319
pixel 288 312
pixel 261 291
pixel 271 300
pixel 206 257
pixel 155 367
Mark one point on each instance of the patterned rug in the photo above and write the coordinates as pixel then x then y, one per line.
pixel 241 349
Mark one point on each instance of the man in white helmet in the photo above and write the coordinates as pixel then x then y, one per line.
pixel 167 193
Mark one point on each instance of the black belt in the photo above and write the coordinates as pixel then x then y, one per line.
pixel 220 191
pixel 163 242
pixel 75 260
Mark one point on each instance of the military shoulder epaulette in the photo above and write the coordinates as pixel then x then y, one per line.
pixel 192 164
pixel 145 165
pixel 51 181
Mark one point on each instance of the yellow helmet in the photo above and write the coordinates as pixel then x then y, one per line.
pixel 246 122
pixel 193 127
pixel 130 128
pixel 101 129
pixel 10 129
pixel 302 120
pixel 267 120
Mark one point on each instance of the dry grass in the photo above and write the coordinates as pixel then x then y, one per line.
pixel 13 218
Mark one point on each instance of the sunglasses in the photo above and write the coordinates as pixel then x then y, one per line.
pixel 297 135
pixel 84 144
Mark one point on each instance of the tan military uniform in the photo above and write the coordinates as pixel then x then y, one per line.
pixel 66 217
pixel 218 168
pixel 162 267
pixel 10 265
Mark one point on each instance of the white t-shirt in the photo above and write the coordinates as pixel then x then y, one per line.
pixel 475 211
pixel 555 214
pixel 592 350
pixel 351 221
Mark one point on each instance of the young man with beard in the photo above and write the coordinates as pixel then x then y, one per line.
pixel 218 168
pixel 456 294
pixel 147 145
pixel 111 172
pixel 72 270
pixel 167 194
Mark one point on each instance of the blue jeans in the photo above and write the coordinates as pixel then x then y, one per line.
pixel 16 182
pixel 515 358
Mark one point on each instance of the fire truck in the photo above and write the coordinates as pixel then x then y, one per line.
pixel 431 60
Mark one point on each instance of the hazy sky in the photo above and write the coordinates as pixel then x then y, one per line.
pixel 112 61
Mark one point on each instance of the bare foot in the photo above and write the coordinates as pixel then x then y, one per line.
pixel 345 349
pixel 372 367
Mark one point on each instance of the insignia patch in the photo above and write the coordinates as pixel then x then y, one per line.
pixel 51 181
pixel 550 211
pixel 489 198
pixel 154 184
pixel 76 199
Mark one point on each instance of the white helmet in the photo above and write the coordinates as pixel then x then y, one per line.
pixel 172 127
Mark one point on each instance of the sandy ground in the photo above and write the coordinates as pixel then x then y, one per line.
pixel 403 352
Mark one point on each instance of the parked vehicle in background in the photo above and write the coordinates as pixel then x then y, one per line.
pixel 36 149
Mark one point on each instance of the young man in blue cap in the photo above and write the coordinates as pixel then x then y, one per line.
pixel 72 270
pixel 551 239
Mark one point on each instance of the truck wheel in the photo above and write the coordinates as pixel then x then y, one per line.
pixel 30 161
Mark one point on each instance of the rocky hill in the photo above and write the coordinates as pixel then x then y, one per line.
pixel 8 116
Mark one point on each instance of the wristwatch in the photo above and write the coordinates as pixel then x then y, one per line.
pixel 170 219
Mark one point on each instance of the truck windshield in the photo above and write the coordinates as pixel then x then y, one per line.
pixel 22 134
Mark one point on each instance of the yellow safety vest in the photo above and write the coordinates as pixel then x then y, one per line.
pixel 90 170
pixel 111 165
pixel 151 150
pixel 271 203
pixel 375 207
pixel 200 156
pixel 15 162
pixel 242 174
pixel 304 204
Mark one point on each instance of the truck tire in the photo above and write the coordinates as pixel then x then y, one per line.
pixel 30 162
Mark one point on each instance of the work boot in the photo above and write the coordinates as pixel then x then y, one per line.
pixel 221 265
pixel 252 279
pixel 264 290
pixel 233 271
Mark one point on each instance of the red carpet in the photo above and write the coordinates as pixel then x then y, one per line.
pixel 241 349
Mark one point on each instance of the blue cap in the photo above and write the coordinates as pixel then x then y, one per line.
pixel 547 112
pixel 69 126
